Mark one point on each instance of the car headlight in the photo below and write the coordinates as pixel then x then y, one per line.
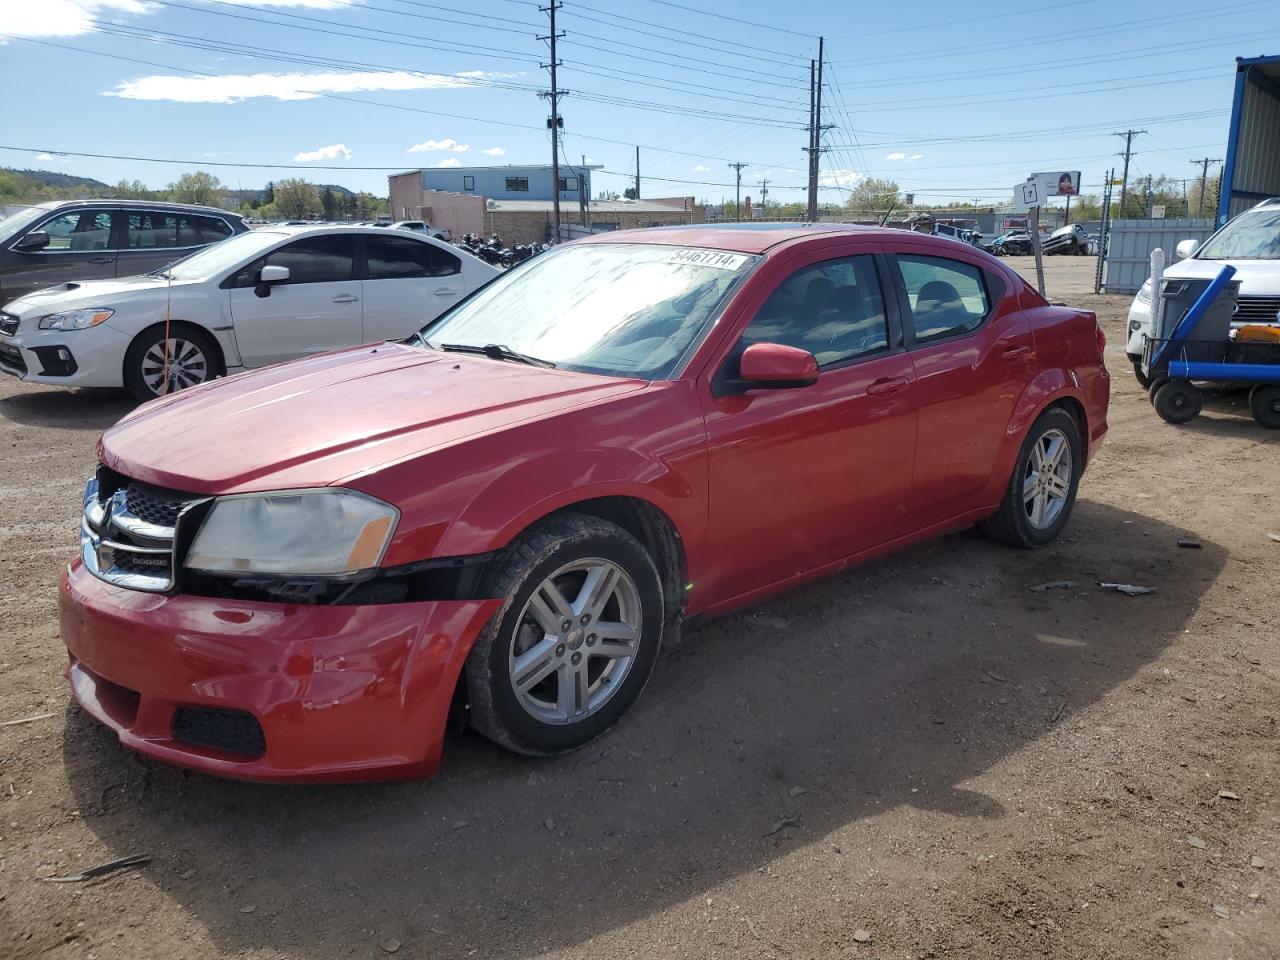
pixel 1144 293
pixel 300 533
pixel 76 319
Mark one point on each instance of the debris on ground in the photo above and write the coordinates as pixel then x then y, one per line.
pixel 390 945
pixel 1128 589
pixel 248 908
pixel 1194 841
pixel 998 678
pixel 861 936
pixel 1274 536
pixel 101 869
pixel 1228 795
pixel 1052 585
pixel 1189 543
pixel 1257 862
pixel 796 791
pixel 1220 911
pixel 1058 713
pixel 781 824
pixel 38 716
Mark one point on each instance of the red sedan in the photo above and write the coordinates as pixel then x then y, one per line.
pixel 297 573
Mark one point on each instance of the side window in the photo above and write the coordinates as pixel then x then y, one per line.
pixel 79 231
pixel 210 229
pixel 946 297
pixel 323 259
pixel 468 183
pixel 157 230
pixel 835 310
pixel 517 184
pixel 397 258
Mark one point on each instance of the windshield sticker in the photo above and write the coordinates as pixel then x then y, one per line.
pixel 709 258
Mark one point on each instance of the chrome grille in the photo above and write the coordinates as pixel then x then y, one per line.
pixel 129 532
pixel 1257 310
pixel 8 324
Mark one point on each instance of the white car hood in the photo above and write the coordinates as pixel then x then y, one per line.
pixel 1258 278
pixel 89 293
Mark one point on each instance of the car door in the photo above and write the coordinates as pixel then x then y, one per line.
pixel 318 308
pixel 974 355
pixel 80 248
pixel 803 476
pixel 153 238
pixel 408 282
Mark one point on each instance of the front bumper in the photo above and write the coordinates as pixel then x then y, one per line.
pixel 1137 328
pixel 340 692
pixel 77 358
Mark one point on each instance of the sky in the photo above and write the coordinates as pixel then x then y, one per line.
pixel 953 101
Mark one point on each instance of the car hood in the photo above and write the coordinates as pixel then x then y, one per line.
pixel 1258 278
pixel 87 293
pixel 332 418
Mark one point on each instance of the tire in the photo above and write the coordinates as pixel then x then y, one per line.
pixel 1154 387
pixel 570 692
pixel 1264 404
pixel 1026 521
pixel 195 351
pixel 1142 378
pixel 1177 401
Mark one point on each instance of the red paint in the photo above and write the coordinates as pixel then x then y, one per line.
pixel 766 488
pixel 770 363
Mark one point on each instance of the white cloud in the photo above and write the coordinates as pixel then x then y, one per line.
pixel 915 156
pixel 495 152
pixel 234 88
pixel 843 179
pixel 448 144
pixel 700 169
pixel 896 156
pixel 335 151
pixel 52 157
pixel 60 18
pixel 449 162
pixel 313 4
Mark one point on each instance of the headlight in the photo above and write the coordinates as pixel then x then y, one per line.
pixel 302 533
pixel 75 319
pixel 1144 294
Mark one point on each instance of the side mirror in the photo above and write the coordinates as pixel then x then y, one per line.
pixel 776 366
pixel 1186 248
pixel 267 276
pixel 33 241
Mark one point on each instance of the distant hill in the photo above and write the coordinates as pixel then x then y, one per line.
pixel 53 178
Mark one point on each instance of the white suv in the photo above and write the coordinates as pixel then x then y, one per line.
pixel 1251 244
pixel 257 298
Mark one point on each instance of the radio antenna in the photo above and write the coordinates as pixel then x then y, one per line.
pixel 168 302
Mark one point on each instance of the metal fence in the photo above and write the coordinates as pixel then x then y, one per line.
pixel 1128 258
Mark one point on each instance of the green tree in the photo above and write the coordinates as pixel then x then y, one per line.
pixel 328 204
pixel 135 190
pixel 296 198
pixel 873 195
pixel 631 193
pixel 607 195
pixel 199 187
pixel 269 194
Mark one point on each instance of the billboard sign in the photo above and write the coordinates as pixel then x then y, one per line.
pixel 1060 183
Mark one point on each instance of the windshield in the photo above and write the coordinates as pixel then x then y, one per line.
pixel 223 255
pixel 1250 236
pixel 626 310
pixel 15 223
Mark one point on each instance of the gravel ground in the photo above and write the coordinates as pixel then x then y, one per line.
pixel 921 758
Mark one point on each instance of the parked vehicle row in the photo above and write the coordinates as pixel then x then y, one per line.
pixel 297 574
pixel 258 298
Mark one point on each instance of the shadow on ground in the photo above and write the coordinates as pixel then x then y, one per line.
pixel 67 409
pixel 895 684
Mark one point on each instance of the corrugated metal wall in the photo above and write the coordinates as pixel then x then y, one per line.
pixel 1128 261
pixel 1257 160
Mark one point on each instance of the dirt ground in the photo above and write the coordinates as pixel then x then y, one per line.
pixel 922 758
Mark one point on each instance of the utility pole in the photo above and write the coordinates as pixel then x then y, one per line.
pixel 737 203
pixel 1204 181
pixel 554 123
pixel 1124 177
pixel 586 202
pixel 764 199
pixel 637 172
pixel 812 149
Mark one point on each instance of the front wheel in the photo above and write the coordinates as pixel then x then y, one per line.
pixel 1143 380
pixel 575 640
pixel 154 368
pixel 1042 490
pixel 1177 401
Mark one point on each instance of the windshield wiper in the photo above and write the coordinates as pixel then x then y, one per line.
pixel 496 351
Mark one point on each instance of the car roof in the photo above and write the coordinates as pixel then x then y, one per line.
pixel 754 238
pixel 138 205
pixel 302 230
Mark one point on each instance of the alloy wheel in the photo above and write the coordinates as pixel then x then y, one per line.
pixel 1046 484
pixel 575 641
pixel 187 366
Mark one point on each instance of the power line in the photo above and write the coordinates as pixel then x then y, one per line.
pixel 754 49
pixel 1128 150
pixel 685 8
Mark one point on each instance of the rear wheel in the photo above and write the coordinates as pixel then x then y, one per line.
pixel 573 645
pixel 1264 403
pixel 1042 490
pixel 153 368
pixel 1142 378
pixel 1177 401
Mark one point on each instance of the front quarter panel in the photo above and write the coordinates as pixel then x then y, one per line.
pixel 478 495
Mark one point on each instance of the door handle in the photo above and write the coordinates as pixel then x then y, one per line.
pixel 345 298
pixel 102 259
pixel 887 386
pixel 1016 353
pixel 447 293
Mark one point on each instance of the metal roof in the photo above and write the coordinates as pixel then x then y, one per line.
pixel 596 206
